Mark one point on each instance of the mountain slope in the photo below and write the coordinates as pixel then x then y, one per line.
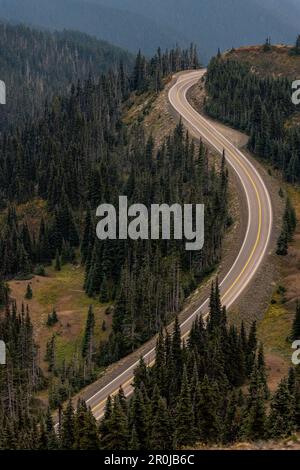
pixel 36 65
pixel 126 29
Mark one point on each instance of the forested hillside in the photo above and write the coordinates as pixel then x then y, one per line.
pixel 74 135
pixel 75 156
pixel 211 390
pixel 196 392
pixel 261 106
pixel 35 65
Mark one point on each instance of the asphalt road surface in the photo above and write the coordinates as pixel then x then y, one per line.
pixel 249 258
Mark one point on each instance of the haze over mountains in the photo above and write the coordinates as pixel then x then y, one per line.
pixel 146 24
pixel 126 29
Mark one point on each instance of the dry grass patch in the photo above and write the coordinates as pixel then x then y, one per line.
pixel 278 62
pixel 63 291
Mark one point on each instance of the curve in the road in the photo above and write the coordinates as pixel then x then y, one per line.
pixel 255 243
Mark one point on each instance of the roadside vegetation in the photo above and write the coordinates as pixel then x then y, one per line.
pixel 257 81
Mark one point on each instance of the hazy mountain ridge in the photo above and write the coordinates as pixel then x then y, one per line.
pixel 35 65
pixel 218 23
pixel 125 29
pixel 147 24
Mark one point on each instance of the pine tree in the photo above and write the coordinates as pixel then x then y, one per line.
pixel 122 400
pixel 207 411
pixel 282 244
pixel 267 45
pixel 29 293
pixel 116 435
pixel 141 374
pixel 233 419
pixel 52 441
pixel 185 433
pixel 86 435
pixel 4 293
pixel 261 367
pixel 88 339
pixel 138 417
pixel 217 314
pixel 50 354
pixel 66 431
pixel 254 425
pixel 281 419
pixel 57 261
pixel 251 349
pixel 160 363
pixel 162 430
pixel 134 440
pixel 104 295
pixel 296 395
pixel 296 324
pixel 297 45
pixel 177 354
pixel 52 318
pixel 105 422
pixel 87 236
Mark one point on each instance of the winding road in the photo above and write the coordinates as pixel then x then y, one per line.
pixel 250 256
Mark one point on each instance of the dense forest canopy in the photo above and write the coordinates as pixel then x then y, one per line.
pixel 65 146
pixel 211 390
pixel 260 106
pixel 76 154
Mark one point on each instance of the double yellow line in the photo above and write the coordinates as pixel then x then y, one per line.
pixel 258 237
pixel 256 192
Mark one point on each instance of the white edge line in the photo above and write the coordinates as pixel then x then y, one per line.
pixel 262 255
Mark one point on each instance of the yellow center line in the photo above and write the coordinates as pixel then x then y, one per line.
pixel 245 266
pixel 257 196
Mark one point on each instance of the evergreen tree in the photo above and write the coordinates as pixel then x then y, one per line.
pixel 207 411
pixel 281 419
pixel 52 318
pixel 296 49
pixel 139 417
pixel 251 349
pixel 52 440
pixel 296 324
pixel 185 433
pixel 261 367
pixel 66 431
pixel 50 354
pixel 177 353
pixel 134 440
pixel 57 261
pixel 105 422
pixel 29 293
pixel 162 430
pixel 233 419
pixel 88 339
pixel 86 435
pixel 254 426
pixel 4 293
